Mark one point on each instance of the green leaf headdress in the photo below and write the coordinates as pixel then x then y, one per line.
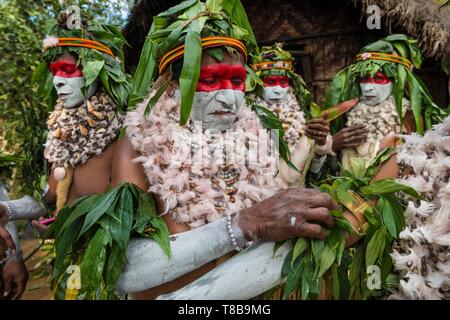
pixel 395 56
pixel 274 61
pixel 183 31
pixel 98 48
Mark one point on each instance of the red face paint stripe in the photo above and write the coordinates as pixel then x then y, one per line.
pixel 379 78
pixel 272 81
pixel 65 69
pixel 221 76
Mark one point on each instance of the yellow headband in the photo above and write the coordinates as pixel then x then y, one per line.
pixel 267 65
pixel 385 57
pixel 207 42
pixel 80 42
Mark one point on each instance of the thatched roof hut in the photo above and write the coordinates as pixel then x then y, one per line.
pixel 324 36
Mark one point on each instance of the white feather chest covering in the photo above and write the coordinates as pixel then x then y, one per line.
pixel 422 256
pixel 196 192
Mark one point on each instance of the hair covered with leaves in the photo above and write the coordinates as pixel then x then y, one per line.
pixel 95 64
pixel 185 24
pixel 276 53
pixel 345 85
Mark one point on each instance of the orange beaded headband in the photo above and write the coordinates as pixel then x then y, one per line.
pixel 386 57
pixel 80 42
pixel 207 42
pixel 267 65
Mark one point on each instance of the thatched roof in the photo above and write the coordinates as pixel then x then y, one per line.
pixel 425 20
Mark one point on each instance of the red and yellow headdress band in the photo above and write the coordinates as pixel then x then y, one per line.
pixel 267 65
pixel 207 42
pixel 51 42
pixel 386 57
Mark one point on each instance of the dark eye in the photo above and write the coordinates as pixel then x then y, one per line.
pixel 69 69
pixel 237 81
pixel 283 82
pixel 209 81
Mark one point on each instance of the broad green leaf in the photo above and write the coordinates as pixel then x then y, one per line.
pixel 300 246
pixel 327 258
pixel 63 245
pixel 116 260
pixel 385 208
pixel 91 71
pixel 216 53
pixel 156 97
pixel 336 283
pixel 317 247
pixel 91 267
pixel 415 97
pixel 277 246
pixel 122 218
pixel 384 186
pixel 103 204
pixel 143 77
pixel 191 68
pixel 358 166
pixel 40 73
pixel 79 209
pixel 237 14
pixel 161 236
pixel 214 5
pixel 178 8
pixel 340 251
pixel 399 89
pixel 375 247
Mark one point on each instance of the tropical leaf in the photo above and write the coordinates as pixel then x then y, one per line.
pixel 91 71
pixel 375 247
pixel 191 68
pixel 384 186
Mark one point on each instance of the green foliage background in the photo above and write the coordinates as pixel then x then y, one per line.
pixel 22 115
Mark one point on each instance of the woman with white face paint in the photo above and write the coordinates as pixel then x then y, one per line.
pixel 211 207
pixel 370 95
pixel 84 124
pixel 284 93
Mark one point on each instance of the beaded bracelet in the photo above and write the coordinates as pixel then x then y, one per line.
pixel 231 233
pixel 8 209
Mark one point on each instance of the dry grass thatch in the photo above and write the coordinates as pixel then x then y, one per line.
pixel 425 20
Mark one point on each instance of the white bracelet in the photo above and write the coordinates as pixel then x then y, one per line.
pixel 8 210
pixel 231 234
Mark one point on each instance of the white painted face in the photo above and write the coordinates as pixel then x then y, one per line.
pixel 274 94
pixel 216 109
pixel 68 81
pixel 373 94
pixel 69 90
pixel 376 89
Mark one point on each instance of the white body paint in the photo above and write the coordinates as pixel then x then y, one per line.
pixel 148 266
pixel 69 90
pixel 274 94
pixel 373 93
pixel 26 208
pixel 206 105
pixel 11 225
pixel 244 276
